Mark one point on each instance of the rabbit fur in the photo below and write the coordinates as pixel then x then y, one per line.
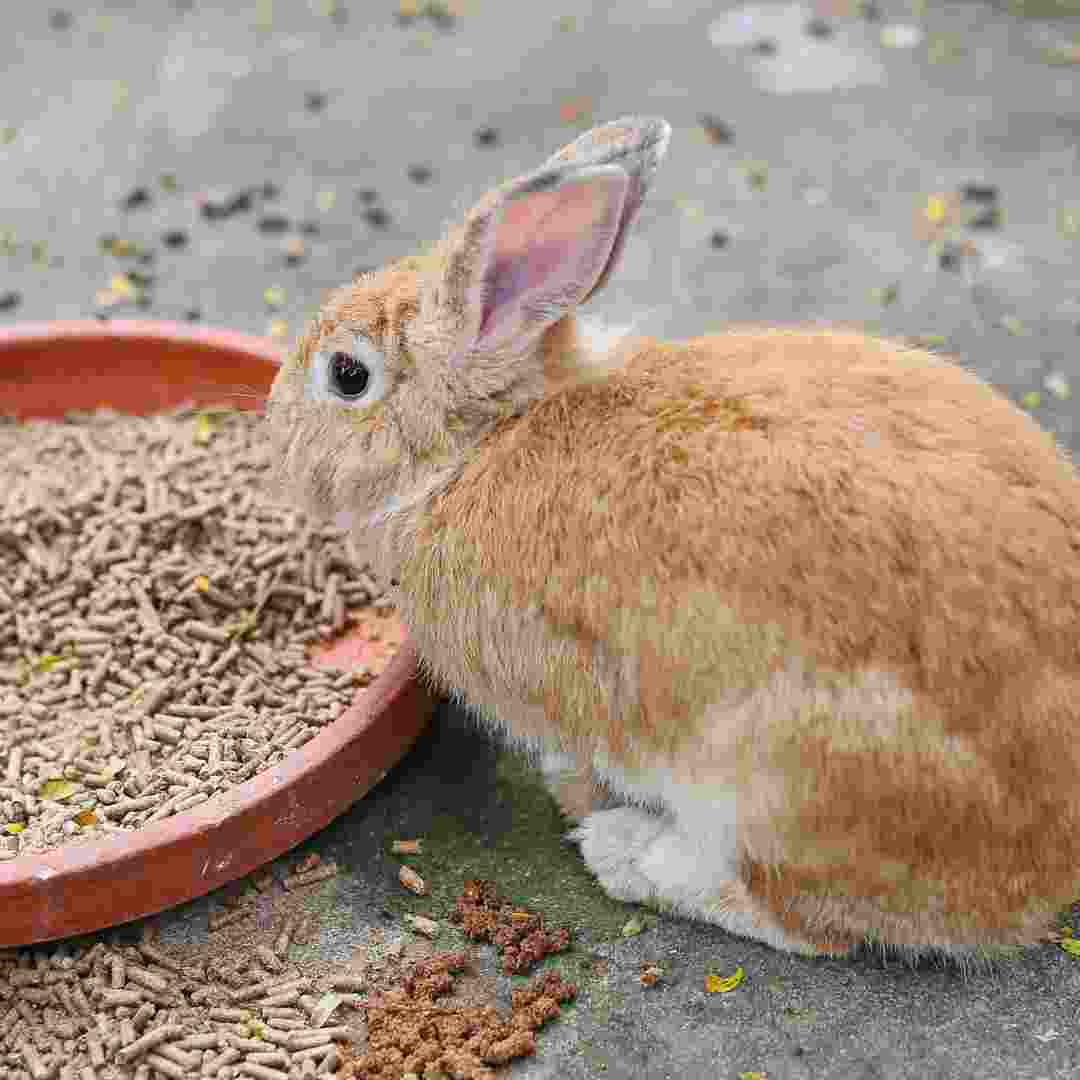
pixel 792 615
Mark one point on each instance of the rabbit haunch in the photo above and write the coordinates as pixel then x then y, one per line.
pixel 805 601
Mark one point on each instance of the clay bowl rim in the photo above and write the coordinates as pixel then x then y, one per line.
pixel 87 887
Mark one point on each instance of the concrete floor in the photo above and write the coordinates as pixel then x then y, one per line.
pixel 839 144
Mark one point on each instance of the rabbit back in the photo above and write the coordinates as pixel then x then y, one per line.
pixel 836 575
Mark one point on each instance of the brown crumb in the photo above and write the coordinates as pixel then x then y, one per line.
pixel 409 1033
pixel 485 916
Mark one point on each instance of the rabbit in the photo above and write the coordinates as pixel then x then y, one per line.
pixel 790 616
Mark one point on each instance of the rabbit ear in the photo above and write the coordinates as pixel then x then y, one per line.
pixel 635 143
pixel 536 248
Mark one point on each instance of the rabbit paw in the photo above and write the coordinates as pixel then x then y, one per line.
pixel 614 843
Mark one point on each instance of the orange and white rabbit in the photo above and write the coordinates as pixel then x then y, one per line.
pixel 793 615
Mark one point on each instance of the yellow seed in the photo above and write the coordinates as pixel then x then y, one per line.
pixel 274 296
pixel 935 209
pixel 122 285
pixel 204 429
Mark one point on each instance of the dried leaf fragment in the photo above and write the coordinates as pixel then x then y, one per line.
pixel 273 296
pixel 57 789
pixel 717 984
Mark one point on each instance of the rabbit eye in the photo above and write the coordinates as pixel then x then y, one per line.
pixel 349 375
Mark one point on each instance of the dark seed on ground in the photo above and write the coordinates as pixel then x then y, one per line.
pixel 60 19
pixel 135 198
pixel 990 218
pixel 716 130
pixel 272 223
pixel 869 10
pixel 420 174
pixel 950 257
pixel 485 136
pixel 719 239
pixel 193 314
pixel 10 300
pixel 314 101
pixel 819 28
pixel 309 228
pixel 269 190
pixel 175 238
pixel 377 217
pixel 367 196
pixel 764 47
pixel 980 193
pixel 223 205
pixel 146 258
pixel 443 19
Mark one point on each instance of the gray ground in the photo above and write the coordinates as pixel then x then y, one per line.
pixel 854 137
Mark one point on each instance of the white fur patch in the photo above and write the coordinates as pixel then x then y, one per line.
pixel 655 859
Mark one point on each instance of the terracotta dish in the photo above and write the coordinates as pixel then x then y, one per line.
pixel 142 367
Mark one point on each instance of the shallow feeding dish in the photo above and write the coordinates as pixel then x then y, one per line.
pixel 47 369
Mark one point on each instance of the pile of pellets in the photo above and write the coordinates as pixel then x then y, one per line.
pixel 243 1005
pixel 110 1010
pixel 157 609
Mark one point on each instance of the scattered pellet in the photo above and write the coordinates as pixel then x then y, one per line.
pixel 121 997
pixel 284 939
pixel 320 873
pixel 412 880
pixel 262 1072
pixel 146 1011
pixel 181 1057
pixel 422 925
pixel 148 1041
pixel 220 919
pixel 96 1049
pixel 167 1067
pixel 269 959
pixel 269 1057
pixel 148 979
pixel 229 1016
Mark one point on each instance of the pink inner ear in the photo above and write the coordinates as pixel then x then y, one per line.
pixel 551 246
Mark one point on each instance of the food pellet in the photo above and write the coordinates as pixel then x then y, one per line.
pixel 148 1041
pixel 167 1067
pixel 320 873
pixel 412 880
